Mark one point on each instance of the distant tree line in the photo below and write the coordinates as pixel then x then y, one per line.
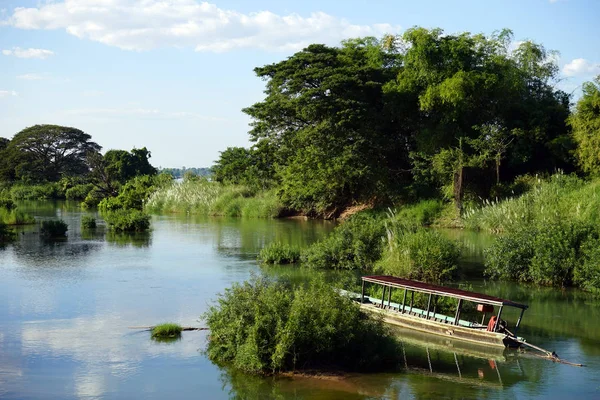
pixel 179 173
pixel 425 114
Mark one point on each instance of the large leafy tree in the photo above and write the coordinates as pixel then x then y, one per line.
pixel 586 128
pixel 478 103
pixel 325 120
pixel 49 152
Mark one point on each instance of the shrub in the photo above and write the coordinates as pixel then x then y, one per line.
pixel 354 244
pixel 14 216
pixel 423 213
pixel 79 192
pixel 587 273
pixel 166 330
pixel 546 254
pixel 54 228
pixel 422 254
pixel 7 203
pixel 37 192
pixel 6 234
pixel 88 222
pixel 279 253
pixel 127 220
pixel 265 326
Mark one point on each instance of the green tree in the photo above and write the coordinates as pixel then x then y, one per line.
pixel 585 122
pixel 49 152
pixel 326 123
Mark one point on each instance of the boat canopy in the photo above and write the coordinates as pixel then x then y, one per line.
pixel 422 287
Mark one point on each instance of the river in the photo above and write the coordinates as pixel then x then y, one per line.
pixel 65 309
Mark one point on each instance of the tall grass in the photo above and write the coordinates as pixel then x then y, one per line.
pixel 557 198
pixel 14 216
pixel 212 198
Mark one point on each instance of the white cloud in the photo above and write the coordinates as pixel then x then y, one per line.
pixel 581 67
pixel 147 24
pixel 6 93
pixel 30 77
pixel 42 54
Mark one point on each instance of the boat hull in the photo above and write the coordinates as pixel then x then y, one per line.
pixel 456 332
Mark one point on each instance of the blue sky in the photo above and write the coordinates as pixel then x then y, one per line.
pixel 173 75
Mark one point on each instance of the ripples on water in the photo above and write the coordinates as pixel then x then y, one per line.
pixel 65 307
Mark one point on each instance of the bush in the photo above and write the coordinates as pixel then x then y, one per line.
pixel 79 192
pixel 37 192
pixel 265 326
pixel 54 228
pixel 354 244
pixel 423 213
pixel 422 254
pixel 7 203
pixel 6 234
pixel 279 253
pixel 14 216
pixel 88 222
pixel 587 273
pixel 167 330
pixel 127 220
pixel 546 254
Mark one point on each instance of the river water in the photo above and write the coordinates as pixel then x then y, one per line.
pixel 65 309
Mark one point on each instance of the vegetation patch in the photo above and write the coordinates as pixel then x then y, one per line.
pixel 14 216
pixel 264 326
pixel 279 253
pixel 6 234
pixel 88 222
pixel 354 244
pixel 167 330
pixel 122 220
pixel 419 254
pixel 54 228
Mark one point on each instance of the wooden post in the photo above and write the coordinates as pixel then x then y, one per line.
pixel 404 300
pixel 412 297
pixel 382 297
pixel 428 305
pixel 519 321
pixel 362 293
pixel 457 315
pixel 389 297
pixel 498 319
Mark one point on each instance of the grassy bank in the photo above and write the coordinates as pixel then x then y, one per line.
pixel 211 198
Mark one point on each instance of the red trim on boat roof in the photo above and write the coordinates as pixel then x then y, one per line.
pixel 440 290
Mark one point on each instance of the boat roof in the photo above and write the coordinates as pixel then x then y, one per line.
pixel 422 287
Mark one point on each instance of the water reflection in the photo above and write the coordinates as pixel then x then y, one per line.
pixel 124 239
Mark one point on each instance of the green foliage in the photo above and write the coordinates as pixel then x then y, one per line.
pixel 166 330
pixel 212 198
pixel 240 166
pixel 15 216
pixel 6 234
pixel 423 213
pixel 587 273
pixel 420 254
pixel 88 222
pixel 133 195
pixel 54 228
pixel 265 326
pixel 585 122
pixel 44 191
pixel 559 197
pixel 279 253
pixel 79 192
pixel 46 153
pixel 354 244
pixel 127 220
pixel 7 203
pixel 546 254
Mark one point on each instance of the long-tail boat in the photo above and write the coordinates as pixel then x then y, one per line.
pixel 493 331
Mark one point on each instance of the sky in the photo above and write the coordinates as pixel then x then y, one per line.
pixel 174 75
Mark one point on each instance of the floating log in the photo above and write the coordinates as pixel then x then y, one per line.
pixel 550 355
